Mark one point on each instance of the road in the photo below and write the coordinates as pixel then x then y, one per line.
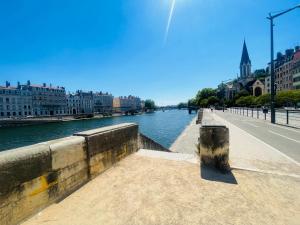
pixel 284 139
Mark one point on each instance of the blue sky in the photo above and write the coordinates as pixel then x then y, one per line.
pixel 118 45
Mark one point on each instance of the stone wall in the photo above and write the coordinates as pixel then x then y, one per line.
pixel 108 145
pixel 147 143
pixel 33 177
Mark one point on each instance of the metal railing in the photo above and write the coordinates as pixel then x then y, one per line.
pixel 282 116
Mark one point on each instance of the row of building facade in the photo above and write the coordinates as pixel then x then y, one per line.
pixel 29 100
pixel 287 75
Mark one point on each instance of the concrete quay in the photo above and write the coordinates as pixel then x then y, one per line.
pixel 151 187
pixel 112 180
pixel 187 140
pixel 247 152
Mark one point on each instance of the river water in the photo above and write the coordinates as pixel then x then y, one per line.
pixel 163 127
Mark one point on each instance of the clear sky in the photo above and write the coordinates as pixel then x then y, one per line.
pixel 120 46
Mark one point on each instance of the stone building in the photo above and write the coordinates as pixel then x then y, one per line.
pixel 258 88
pixel 267 84
pixel 283 67
pixel 296 69
pixel 32 100
pixel 15 101
pixel 80 103
pixel 47 100
pixel 103 102
pixel 127 104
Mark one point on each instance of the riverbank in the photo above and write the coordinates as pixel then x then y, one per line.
pixel 187 140
pixel 44 120
pixel 148 189
pixel 162 127
pixel 246 151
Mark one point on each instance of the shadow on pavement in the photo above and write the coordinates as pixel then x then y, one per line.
pixel 212 174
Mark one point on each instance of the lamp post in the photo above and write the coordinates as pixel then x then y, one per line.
pixel 271 18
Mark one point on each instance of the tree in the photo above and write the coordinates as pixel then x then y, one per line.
pixel 182 105
pixel 288 98
pixel 192 102
pixel 212 100
pixel 263 100
pixel 205 94
pixel 242 93
pixel 149 104
pixel 246 100
pixel 204 103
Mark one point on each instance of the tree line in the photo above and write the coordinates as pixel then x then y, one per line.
pixel 211 97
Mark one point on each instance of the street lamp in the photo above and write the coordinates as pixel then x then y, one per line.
pixel 271 18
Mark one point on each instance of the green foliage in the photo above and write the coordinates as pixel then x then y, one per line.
pixel 242 93
pixel 212 100
pixel 263 100
pixel 149 104
pixel 192 102
pixel 246 101
pixel 283 98
pixel 204 103
pixel 182 105
pixel 288 98
pixel 205 94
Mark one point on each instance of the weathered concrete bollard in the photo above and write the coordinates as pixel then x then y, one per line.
pixel 214 146
pixel 200 116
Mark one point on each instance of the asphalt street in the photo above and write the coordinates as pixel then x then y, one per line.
pixel 284 139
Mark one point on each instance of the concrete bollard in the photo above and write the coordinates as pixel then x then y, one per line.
pixel 214 146
pixel 200 116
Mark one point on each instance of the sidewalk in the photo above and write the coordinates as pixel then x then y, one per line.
pixel 167 189
pixel 152 187
pixel 188 139
pixel 249 153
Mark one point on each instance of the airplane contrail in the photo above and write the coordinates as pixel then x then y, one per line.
pixel 169 20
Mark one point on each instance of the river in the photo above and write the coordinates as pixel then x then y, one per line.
pixel 163 127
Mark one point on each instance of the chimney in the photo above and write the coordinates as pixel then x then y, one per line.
pixel 297 48
pixel 18 84
pixel 7 84
pixel 44 84
pixel 51 85
pixel 28 82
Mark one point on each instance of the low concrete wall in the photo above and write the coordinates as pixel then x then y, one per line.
pixel 33 177
pixel 147 143
pixel 200 116
pixel 108 145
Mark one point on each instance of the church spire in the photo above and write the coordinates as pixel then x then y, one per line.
pixel 245 64
pixel 245 56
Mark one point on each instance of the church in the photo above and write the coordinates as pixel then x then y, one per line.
pixel 253 83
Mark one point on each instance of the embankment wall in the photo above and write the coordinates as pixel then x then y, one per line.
pixel 35 176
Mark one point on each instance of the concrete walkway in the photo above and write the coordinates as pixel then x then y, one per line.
pixel 246 151
pixel 250 153
pixel 152 187
pixel 187 140
pixel 150 190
